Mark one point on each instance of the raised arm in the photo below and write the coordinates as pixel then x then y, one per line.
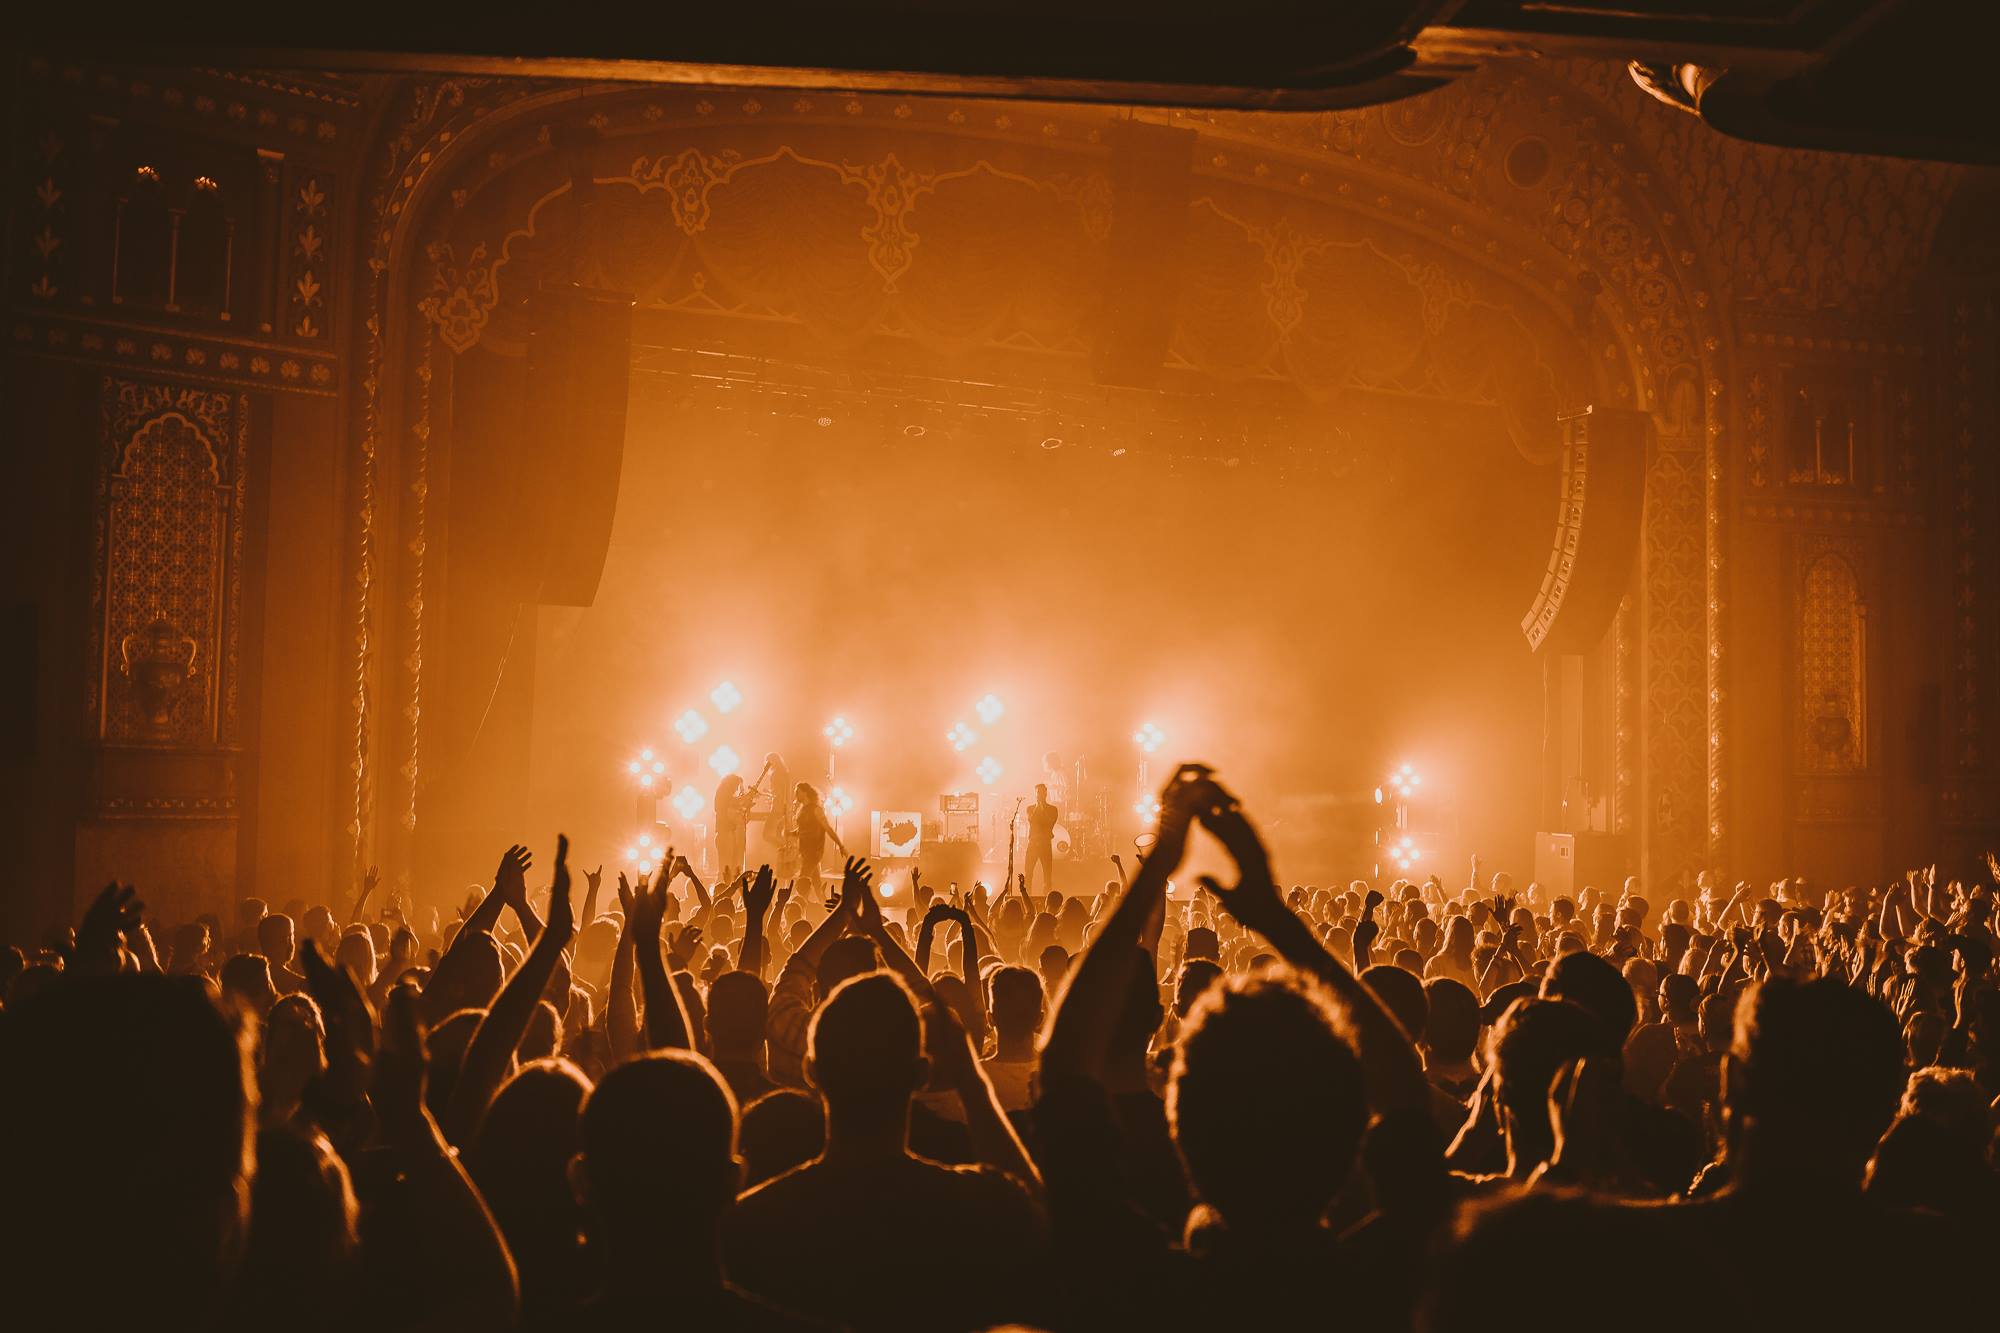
pixel 968 970
pixel 621 1018
pixel 756 906
pixel 666 1021
pixel 490 1054
pixel 994 1141
pixel 514 863
pixel 1086 1011
pixel 1389 1063
pixel 419 1208
pixel 857 886
pixel 368 883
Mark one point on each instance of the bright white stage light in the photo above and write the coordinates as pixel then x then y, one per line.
pixel 962 737
pixel 689 802
pixel 645 840
pixel 989 709
pixel 645 779
pixel 1147 807
pixel 632 767
pixel 989 769
pixel 839 732
pixel 691 726
pixel 1149 737
pixel 724 761
pixel 659 767
pixel 647 754
pixel 632 856
pixel 725 697
pixel 838 802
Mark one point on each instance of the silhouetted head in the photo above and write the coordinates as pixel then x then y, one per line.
pixel 320 927
pixel 1266 1103
pixel 1451 1024
pixel 276 939
pixel 1680 996
pixel 781 1130
pixel 1599 988
pixel 520 1158
pixel 1018 1002
pixel 658 1150
pixel 737 1006
pixel 865 1052
pixel 356 953
pixel 304 1237
pixel 246 980
pixel 848 956
pixel 1402 994
pixel 1197 975
pixel 1812 1080
pixel 1533 1040
pixel 126 1144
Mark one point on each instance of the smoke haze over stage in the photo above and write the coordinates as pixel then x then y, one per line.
pixel 1305 624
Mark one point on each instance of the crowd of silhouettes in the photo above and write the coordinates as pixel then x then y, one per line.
pixel 732 1106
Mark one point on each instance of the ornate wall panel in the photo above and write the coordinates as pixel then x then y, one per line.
pixel 169 565
pixel 1830 713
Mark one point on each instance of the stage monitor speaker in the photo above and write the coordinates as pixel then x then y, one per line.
pixel 1602 488
pixel 1151 170
pixel 1566 862
pixel 948 863
pixel 579 369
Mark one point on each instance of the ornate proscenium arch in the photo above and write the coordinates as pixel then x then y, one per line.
pixel 1496 237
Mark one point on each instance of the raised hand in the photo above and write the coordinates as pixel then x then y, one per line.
pixel 645 908
pixel 758 896
pixel 350 1025
pixel 510 881
pixel 857 894
pixel 100 937
pixel 593 878
pixel 562 913
pixel 1254 899
pixel 682 949
pixel 785 894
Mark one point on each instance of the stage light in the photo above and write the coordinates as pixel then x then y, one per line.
pixel 888 890
pixel 989 709
pixel 646 754
pixel 838 732
pixel 632 856
pixel 633 766
pixel 838 802
pixel 1149 737
pixel 689 802
pixel 645 840
pixel 1378 796
pixel 962 737
pixel 725 697
pixel 645 779
pixel 724 761
pixel 691 726
pixel 989 769
pixel 659 767
pixel 1147 807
